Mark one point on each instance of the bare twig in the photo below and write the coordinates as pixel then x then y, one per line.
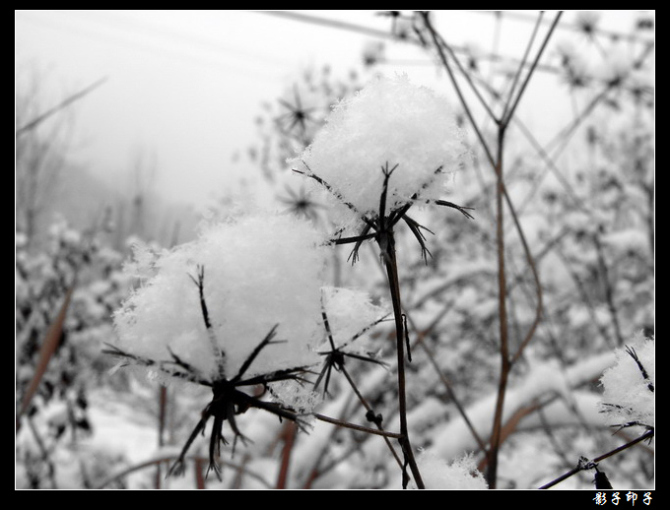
pixel 370 412
pixel 63 104
pixel 450 392
pixel 609 291
pixel 581 466
pixel 517 75
pixel 510 112
pixel 360 428
pixel 167 458
pixel 288 435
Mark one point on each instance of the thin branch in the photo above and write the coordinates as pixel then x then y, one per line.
pixel 439 42
pixel 360 428
pixel 257 350
pixel 394 287
pixel 551 165
pixel 609 291
pixel 505 365
pixel 501 193
pixel 333 191
pixel 523 63
pixel 566 132
pixel 63 104
pixel 581 466
pixel 370 412
pixel 510 114
pixel 315 471
pixel 450 391
pixel 288 435
pixel 536 278
pixel 567 26
pixel 167 458
pixel 470 82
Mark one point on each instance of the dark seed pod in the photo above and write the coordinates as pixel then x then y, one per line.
pixel 601 480
pixel 374 418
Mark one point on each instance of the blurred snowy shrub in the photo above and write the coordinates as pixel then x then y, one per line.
pixel 60 408
pixel 289 125
pixel 42 280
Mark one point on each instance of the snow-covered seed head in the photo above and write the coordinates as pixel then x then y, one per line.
pixel 254 273
pixel 628 386
pixel 388 123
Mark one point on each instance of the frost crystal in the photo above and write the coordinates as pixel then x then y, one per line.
pixel 295 395
pixel 257 272
pixel 389 122
pixel 628 397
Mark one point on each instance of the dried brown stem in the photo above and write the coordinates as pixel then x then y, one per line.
pixel 388 255
pixel 360 428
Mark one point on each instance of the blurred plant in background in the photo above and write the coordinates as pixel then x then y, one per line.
pixel 64 298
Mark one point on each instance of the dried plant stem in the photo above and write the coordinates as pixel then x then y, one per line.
pixel 510 113
pixel 582 291
pixel 440 45
pixel 450 392
pixel 47 350
pixel 169 458
pixel 609 291
pixel 199 468
pixel 505 364
pixel 62 105
pixel 420 340
pixel 240 471
pixel 515 81
pixel 508 428
pixel 288 436
pixel 360 428
pixel 162 407
pixel 369 409
pixel 388 255
pixel 316 470
pixel 580 467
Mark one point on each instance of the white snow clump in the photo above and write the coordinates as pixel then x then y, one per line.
pixel 351 319
pixel 259 271
pixel 461 474
pixel 350 313
pixel 388 122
